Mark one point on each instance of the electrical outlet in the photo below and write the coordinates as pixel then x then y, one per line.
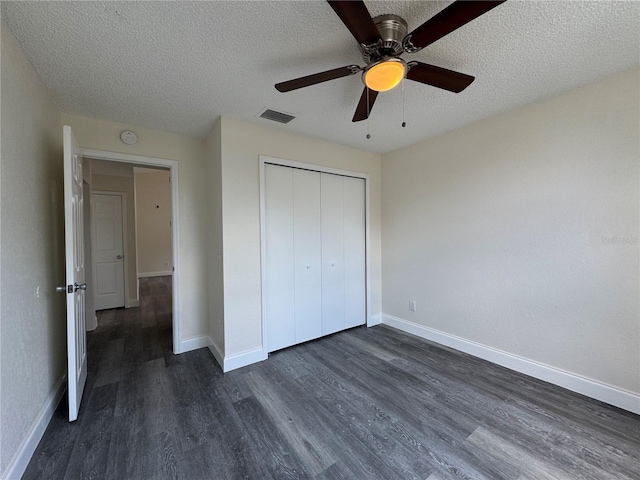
pixel 412 305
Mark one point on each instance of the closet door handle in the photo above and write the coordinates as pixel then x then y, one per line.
pixel 308 266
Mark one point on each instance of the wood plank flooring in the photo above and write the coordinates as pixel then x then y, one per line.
pixel 362 404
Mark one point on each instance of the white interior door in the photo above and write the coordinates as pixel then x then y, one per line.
pixel 279 258
pixel 355 273
pixel 74 261
pixel 108 251
pixel 307 255
pixel 333 281
pixel 315 254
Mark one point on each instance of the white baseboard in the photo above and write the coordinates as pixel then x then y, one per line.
pixel 20 460
pixel 133 302
pixel 243 359
pixel 600 391
pixel 228 363
pixel 194 343
pixel 374 320
pixel 217 353
pixel 155 274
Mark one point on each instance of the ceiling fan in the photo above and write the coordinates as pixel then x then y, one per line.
pixel 384 39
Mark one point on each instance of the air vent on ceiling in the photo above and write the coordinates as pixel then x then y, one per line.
pixel 276 116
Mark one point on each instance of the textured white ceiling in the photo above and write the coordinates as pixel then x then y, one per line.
pixel 178 66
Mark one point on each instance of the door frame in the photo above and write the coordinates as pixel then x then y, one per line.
pixel 263 160
pixel 125 251
pixel 172 165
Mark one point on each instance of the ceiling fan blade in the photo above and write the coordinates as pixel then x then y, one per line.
pixel 438 77
pixel 317 78
pixel 451 18
pixel 356 17
pixel 362 112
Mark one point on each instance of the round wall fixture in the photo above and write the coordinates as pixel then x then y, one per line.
pixel 129 137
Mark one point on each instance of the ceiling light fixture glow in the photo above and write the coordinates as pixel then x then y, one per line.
pixel 385 75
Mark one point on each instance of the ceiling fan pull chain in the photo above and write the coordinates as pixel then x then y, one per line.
pixel 368 111
pixel 404 124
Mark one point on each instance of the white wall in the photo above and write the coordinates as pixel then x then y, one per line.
pixel 124 184
pixel 520 232
pixel 242 143
pixel 32 325
pixel 215 244
pixel 190 153
pixel 153 221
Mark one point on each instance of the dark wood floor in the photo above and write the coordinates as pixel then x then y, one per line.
pixel 362 404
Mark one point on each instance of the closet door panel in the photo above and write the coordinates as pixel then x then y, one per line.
pixel 279 258
pixel 354 252
pixel 307 254
pixel 333 287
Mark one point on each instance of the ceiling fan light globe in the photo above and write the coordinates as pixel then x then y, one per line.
pixel 385 75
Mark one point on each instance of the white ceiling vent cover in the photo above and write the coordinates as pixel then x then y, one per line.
pixel 276 116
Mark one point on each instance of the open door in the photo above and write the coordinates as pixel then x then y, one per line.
pixel 74 260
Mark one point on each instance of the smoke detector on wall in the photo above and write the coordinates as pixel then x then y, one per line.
pixel 129 137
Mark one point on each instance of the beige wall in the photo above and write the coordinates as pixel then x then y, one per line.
pixel 112 183
pixel 153 221
pixel 192 184
pixel 216 272
pixel 520 232
pixel 32 314
pixel 242 143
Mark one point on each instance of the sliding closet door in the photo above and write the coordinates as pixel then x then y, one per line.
pixel 279 261
pixel 307 255
pixel 354 253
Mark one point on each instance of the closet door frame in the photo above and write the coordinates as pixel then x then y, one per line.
pixel 263 160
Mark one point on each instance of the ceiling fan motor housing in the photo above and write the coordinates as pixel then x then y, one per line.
pixel 393 29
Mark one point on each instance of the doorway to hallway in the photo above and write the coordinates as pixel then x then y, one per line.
pixel 130 207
